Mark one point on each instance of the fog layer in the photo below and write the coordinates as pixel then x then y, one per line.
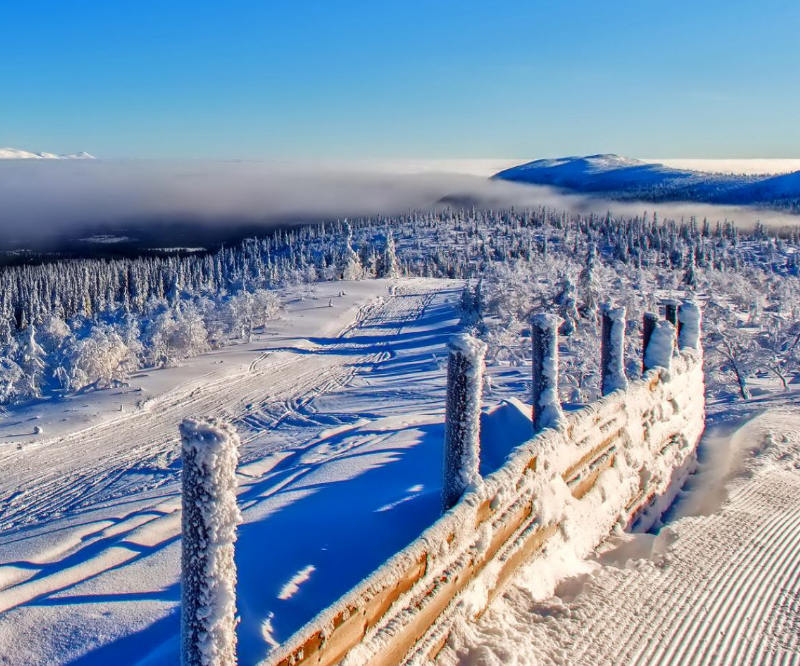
pixel 40 199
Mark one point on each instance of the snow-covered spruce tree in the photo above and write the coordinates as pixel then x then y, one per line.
pixel 468 307
pixel 352 268
pixel 465 367
pixel 568 306
pixel 388 266
pixel 208 523
pixel 100 360
pixel 589 285
pixel 31 360
pixel 11 377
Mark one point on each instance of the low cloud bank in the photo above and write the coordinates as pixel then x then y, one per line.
pixel 41 199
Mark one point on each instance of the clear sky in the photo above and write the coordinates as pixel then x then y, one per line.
pixel 413 78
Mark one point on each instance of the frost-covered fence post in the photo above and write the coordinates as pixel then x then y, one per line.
pixel 671 312
pixel 462 418
pixel 649 323
pixel 612 350
pixel 659 351
pixel 544 343
pixel 690 318
pixel 208 524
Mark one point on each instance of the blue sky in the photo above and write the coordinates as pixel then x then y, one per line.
pixel 395 79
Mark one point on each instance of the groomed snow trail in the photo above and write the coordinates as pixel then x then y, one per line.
pixel 90 521
pixel 720 588
pixel 140 450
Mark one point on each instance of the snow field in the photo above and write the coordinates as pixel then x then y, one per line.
pixel 91 548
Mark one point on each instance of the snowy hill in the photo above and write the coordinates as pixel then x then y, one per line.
pixel 625 178
pixel 16 154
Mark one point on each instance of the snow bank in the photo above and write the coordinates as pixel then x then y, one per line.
pixel 210 516
pixel 554 500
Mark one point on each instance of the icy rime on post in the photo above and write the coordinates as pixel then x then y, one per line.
pixel 649 323
pixel 690 319
pixel 612 350
pixel 660 348
pixel 462 419
pixel 544 341
pixel 671 311
pixel 208 523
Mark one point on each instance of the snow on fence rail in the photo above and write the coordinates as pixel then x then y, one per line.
pixel 616 463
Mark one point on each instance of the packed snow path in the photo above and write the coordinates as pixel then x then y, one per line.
pixel 719 585
pixel 88 551
pixel 139 450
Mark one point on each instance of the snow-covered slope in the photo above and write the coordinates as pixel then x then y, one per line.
pixel 625 178
pixel 716 585
pixel 339 410
pixel 17 154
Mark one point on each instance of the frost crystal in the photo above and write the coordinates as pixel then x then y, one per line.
pixel 690 317
pixel 662 344
pixel 209 520
pixel 462 428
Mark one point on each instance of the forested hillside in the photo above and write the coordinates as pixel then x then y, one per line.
pixel 84 324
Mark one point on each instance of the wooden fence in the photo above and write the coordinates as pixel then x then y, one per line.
pixel 615 463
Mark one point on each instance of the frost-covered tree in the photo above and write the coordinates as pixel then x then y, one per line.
pixel 568 306
pixel 31 360
pixel 588 285
pixel 352 268
pixel 388 266
pixel 100 360
pixel 734 350
pixel 11 378
pixel 176 335
pixel 780 348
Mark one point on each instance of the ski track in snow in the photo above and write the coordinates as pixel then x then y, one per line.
pixel 134 455
pixel 57 477
pixel 721 589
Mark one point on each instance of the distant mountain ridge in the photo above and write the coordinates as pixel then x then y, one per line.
pixel 625 178
pixel 17 154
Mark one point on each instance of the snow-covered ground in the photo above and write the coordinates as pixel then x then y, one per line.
pixel 717 584
pixel 339 406
pixel 89 547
